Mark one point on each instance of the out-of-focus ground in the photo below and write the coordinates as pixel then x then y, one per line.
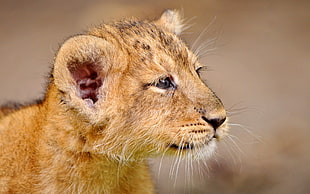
pixel 260 69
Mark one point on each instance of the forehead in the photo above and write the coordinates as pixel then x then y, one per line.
pixel 149 43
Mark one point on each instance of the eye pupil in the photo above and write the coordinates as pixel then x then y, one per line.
pixel 164 83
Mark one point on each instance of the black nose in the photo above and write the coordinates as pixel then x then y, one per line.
pixel 215 122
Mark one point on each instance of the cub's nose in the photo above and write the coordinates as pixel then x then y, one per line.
pixel 215 122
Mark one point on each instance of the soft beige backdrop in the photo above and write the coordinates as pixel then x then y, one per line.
pixel 260 68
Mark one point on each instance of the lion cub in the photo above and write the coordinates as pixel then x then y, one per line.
pixel 118 94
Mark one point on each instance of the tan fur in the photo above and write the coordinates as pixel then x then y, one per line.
pixel 104 113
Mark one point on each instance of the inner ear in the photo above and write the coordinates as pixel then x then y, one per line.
pixel 88 79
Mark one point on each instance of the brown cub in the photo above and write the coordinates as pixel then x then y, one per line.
pixel 117 95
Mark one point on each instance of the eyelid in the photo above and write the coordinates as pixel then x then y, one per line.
pixel 201 68
pixel 198 68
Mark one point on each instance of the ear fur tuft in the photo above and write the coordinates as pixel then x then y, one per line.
pixel 172 21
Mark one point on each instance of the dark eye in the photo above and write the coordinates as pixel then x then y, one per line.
pixel 164 83
pixel 198 70
pixel 201 69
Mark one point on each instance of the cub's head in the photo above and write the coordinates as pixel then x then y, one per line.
pixel 134 90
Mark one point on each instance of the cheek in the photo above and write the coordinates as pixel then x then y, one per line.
pixel 149 109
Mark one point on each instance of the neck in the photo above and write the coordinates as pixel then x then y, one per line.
pixel 77 165
pixel 87 173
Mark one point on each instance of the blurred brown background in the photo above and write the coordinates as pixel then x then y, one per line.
pixel 260 68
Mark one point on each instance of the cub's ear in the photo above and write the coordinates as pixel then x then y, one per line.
pixel 80 69
pixel 172 21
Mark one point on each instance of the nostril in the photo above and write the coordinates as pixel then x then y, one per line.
pixel 215 122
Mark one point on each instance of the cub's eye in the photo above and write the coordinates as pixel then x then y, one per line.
pixel 198 70
pixel 165 83
pixel 201 69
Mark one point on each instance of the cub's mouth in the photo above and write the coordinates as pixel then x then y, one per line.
pixel 197 150
pixel 191 138
pixel 191 145
pixel 186 146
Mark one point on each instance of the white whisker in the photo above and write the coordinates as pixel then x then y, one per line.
pixel 256 137
pixel 163 154
pixel 205 30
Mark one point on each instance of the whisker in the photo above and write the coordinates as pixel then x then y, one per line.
pixel 237 146
pixel 202 50
pixel 187 24
pixel 233 153
pixel 233 136
pixel 179 157
pixel 174 163
pixel 247 129
pixel 178 164
pixel 199 171
pixel 235 110
pixel 238 111
pixel 161 160
pixel 205 30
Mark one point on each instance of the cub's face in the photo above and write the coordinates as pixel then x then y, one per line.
pixel 167 104
pixel 138 86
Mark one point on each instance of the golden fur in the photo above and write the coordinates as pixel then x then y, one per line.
pixel 118 94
